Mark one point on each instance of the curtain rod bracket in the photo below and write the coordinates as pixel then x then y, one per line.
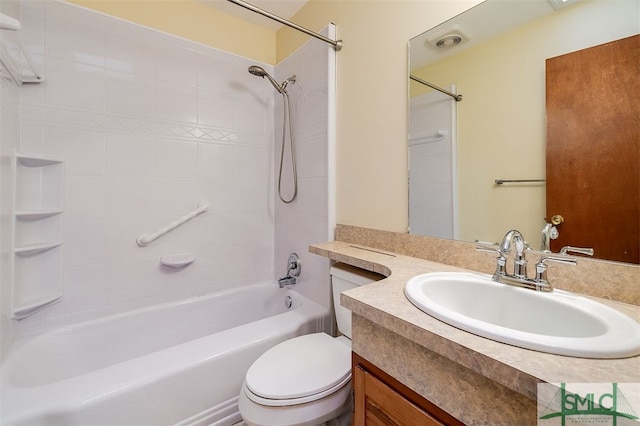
pixel 337 44
pixel 458 98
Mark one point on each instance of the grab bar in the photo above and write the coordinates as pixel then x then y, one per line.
pixel 144 239
pixel 419 140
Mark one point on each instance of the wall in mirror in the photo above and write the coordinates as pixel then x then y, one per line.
pixel 499 129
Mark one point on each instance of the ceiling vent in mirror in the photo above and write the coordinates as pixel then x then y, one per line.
pixel 447 39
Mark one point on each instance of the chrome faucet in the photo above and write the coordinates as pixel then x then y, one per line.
pixel 587 251
pixel 541 269
pixel 294 267
pixel 288 280
pixel 549 232
pixel 514 238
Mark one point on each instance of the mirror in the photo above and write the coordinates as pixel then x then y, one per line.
pixel 494 56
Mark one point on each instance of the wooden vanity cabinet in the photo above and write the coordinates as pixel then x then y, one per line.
pixel 379 399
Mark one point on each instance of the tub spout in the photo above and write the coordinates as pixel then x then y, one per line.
pixel 288 280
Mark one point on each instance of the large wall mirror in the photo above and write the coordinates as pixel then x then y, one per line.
pixel 477 165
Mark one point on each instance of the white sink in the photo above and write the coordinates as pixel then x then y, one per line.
pixel 556 322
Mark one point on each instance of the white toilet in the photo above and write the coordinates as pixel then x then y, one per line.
pixel 305 380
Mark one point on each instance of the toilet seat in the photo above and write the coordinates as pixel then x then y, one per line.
pixel 298 371
pixel 309 414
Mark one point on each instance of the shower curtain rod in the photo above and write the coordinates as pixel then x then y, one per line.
pixel 458 98
pixel 337 44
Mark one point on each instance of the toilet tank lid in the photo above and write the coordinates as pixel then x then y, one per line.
pixel 353 274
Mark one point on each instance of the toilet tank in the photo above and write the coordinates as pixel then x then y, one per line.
pixel 345 277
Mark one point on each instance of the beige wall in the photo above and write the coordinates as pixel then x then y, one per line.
pixel 372 83
pixel 372 99
pixel 501 120
pixel 194 21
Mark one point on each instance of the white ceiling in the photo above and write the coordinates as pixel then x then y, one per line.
pixel 282 8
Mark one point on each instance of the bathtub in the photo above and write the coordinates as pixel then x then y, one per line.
pixel 177 363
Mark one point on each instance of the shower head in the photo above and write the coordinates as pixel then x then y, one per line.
pixel 260 72
pixel 256 70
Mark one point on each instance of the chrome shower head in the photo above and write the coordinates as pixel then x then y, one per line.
pixel 256 70
pixel 260 72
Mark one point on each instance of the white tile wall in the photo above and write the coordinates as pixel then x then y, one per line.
pixel 149 126
pixel 9 137
pixel 306 219
pixel 130 94
pixel 130 155
pixel 83 151
pixel 431 204
pixel 73 84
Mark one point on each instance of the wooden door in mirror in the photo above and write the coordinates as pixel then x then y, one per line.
pixel 593 113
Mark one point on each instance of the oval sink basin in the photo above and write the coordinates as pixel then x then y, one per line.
pixel 556 322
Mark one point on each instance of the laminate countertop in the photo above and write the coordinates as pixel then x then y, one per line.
pixel 384 304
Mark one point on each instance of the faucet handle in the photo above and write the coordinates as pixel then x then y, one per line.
pixel 520 262
pixel 501 261
pixel 580 250
pixel 559 259
pixel 541 267
pixel 490 248
pixel 294 266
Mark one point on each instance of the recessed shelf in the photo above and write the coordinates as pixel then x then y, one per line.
pixel 30 306
pixel 38 160
pixel 36 214
pixel 36 248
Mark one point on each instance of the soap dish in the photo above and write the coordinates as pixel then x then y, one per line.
pixel 177 261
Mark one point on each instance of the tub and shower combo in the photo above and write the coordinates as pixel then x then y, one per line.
pixel 180 363
pixel 177 363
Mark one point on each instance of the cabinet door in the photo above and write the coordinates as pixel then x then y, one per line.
pixel 378 404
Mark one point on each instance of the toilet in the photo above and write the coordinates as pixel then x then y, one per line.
pixel 306 380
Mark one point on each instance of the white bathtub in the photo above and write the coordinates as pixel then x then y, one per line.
pixel 178 363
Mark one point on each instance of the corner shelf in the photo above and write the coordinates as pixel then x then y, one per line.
pixel 32 306
pixel 38 160
pixel 36 214
pixel 36 263
pixel 36 248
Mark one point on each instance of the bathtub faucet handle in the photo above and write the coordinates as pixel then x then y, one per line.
pixel 294 265
pixel 294 268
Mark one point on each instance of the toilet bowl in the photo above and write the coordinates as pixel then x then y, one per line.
pixel 305 380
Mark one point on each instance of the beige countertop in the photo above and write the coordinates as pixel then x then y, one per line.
pixel 384 304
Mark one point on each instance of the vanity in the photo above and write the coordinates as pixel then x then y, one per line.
pixel 478 166
pixel 418 365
